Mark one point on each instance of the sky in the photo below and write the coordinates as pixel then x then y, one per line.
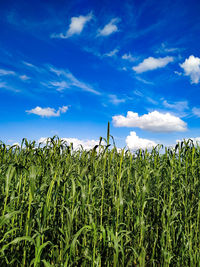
pixel 68 67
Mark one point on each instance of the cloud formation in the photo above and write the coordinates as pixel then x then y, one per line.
pixel 48 112
pixel 60 85
pixel 152 63
pixel 68 80
pixel 109 28
pixel 128 57
pixel 24 77
pixel 153 121
pixel 191 68
pixel 6 72
pixel 76 26
pixel 115 100
pixel 196 111
pixel 134 142
pixel 111 53
pixel 178 105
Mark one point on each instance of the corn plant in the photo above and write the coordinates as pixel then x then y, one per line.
pixel 102 207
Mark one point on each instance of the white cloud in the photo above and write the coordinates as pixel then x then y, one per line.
pixel 48 112
pixel 111 53
pixel 134 142
pixel 6 72
pixel 144 81
pixel 178 73
pixel 196 111
pixel 77 143
pixel 152 63
pixel 115 100
pixel 138 93
pixel 3 85
pixel 60 85
pixel 151 100
pixel 128 57
pixel 191 68
pixel 179 105
pixel 76 26
pixel 24 77
pixel 72 81
pixel 109 28
pixel 30 65
pixel 153 121
pixel 165 49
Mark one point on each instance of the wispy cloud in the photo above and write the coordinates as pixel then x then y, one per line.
pixel 191 67
pixel 152 63
pixel 59 79
pixel 178 73
pixel 109 28
pixel 3 85
pixel 166 49
pixel 24 77
pixel 196 111
pixel 138 93
pixel 177 108
pixel 47 112
pixel 6 72
pixel 179 105
pixel 72 80
pixel 32 66
pixel 76 26
pixel 111 53
pixel 134 142
pixel 115 100
pixel 143 80
pixel 60 85
pixel 153 121
pixel 129 57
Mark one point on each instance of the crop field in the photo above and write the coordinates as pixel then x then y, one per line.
pixel 102 207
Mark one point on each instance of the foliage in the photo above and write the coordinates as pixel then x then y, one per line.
pixel 102 207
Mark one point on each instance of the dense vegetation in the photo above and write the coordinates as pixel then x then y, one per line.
pixel 101 207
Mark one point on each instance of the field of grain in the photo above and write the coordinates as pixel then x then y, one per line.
pixel 60 207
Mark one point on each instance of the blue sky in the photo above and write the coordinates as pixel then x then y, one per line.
pixel 69 67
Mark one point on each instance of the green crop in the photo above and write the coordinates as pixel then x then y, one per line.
pixel 61 207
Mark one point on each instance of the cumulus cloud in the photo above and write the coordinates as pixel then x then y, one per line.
pixel 76 26
pixel 134 142
pixel 48 112
pixel 153 121
pixel 109 28
pixel 191 68
pixel 152 63
pixel 77 143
